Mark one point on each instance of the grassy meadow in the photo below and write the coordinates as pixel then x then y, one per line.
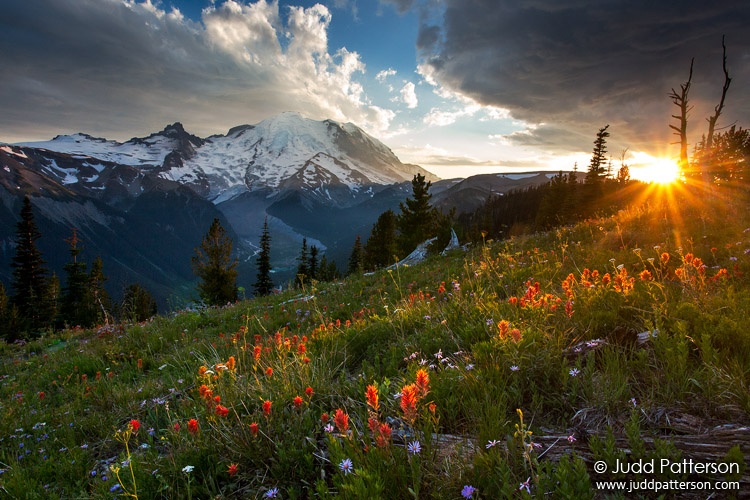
pixel 440 380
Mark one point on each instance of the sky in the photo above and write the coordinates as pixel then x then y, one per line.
pixel 459 87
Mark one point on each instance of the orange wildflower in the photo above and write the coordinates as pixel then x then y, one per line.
pixel 231 363
pixel 193 426
pixel 254 429
pixel 371 394
pixel 222 411
pixel 408 402
pixel 297 401
pixel 267 408
pixel 233 469
pixel 202 370
pixel 423 382
pixel 269 371
pixel 341 419
pixel 515 334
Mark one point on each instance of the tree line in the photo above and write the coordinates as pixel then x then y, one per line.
pixel 37 301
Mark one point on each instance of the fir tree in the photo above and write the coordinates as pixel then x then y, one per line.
pixel 263 284
pixel 100 304
pixel 137 304
pixel 381 249
pixel 214 265
pixel 303 261
pixel 74 305
pixel 328 270
pixel 312 264
pixel 356 261
pixel 416 223
pixel 29 283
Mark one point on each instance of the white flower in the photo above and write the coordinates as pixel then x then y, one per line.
pixel 188 469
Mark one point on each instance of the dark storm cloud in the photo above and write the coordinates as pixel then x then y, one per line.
pixel 577 65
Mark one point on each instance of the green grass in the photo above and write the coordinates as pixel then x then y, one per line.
pixel 497 329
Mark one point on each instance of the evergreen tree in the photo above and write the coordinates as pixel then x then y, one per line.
pixel 137 304
pixel 597 171
pixel 416 223
pixel 303 261
pixel 214 265
pixel 74 310
pixel 381 249
pixel 356 261
pixel 328 270
pixel 29 283
pixel 100 304
pixel 312 264
pixel 263 284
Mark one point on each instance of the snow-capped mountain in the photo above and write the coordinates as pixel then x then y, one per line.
pixel 335 163
pixel 144 204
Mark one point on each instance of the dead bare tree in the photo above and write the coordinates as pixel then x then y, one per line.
pixel 681 101
pixel 719 107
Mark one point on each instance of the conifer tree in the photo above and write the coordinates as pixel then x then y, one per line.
pixel 214 265
pixel 100 303
pixel 74 307
pixel 356 261
pixel 312 264
pixel 29 285
pixel 263 284
pixel 416 223
pixel 328 270
pixel 303 261
pixel 137 304
pixel 381 249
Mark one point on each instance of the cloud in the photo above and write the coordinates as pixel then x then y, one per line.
pixel 409 96
pixel 383 75
pixel 121 68
pixel 580 64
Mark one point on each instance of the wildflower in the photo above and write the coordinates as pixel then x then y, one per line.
pixel 232 470
pixel 346 466
pixel 309 392
pixel 231 363
pixel 269 371
pixel 222 411
pixel 324 418
pixel 468 491
pixel 571 439
pixel 188 469
pixel 297 401
pixel 502 328
pixel 41 395
pixel 202 371
pixel 267 408
pixel 414 448
pixel 341 419
pixel 115 488
pixel 254 429
pixel 514 368
pixel 328 428
pixel 135 425
pixel 492 444
pixel 383 437
pixel 256 352
pixel 574 372
pixel 408 402
pixel 272 493
pixel 371 394
pixel 176 427
pixel 525 484
pixel 423 382
pixel 515 334
pixel 645 275
pixel 192 426
pixel 633 402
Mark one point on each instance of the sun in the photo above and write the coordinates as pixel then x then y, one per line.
pixel 656 170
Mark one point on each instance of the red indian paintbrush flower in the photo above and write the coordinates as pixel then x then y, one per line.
pixel 371 393
pixel 341 419
pixel 135 425
pixel 297 401
pixel 192 426
pixel 267 408
pixel 408 401
pixel 232 470
pixel 254 429
pixel 423 382
pixel 222 411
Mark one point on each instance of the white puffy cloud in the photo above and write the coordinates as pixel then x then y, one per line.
pixel 409 96
pixel 137 67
